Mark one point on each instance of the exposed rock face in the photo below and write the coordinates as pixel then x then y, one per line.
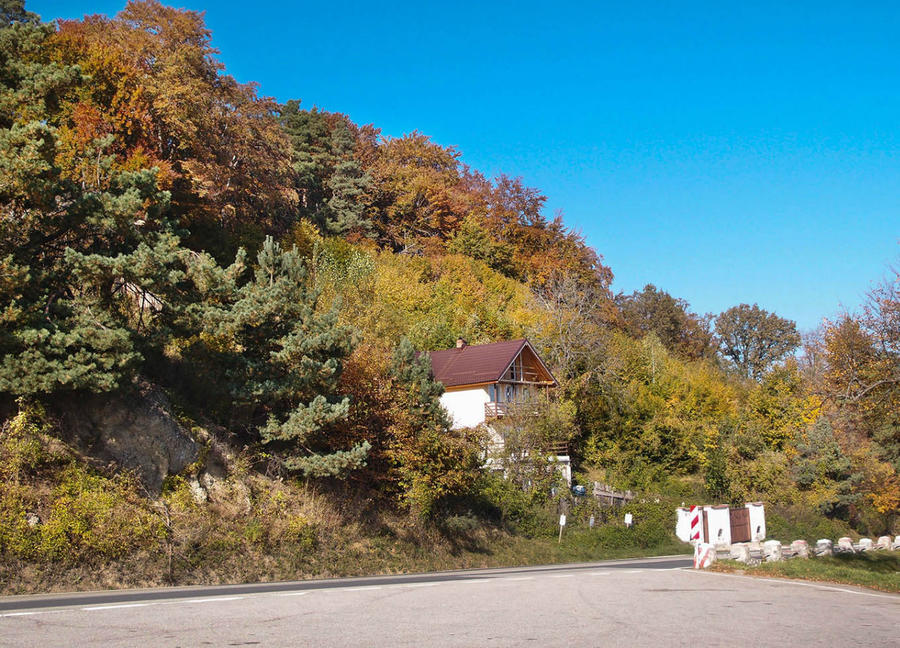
pixel 135 432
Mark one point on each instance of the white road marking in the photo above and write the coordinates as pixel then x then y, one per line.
pixel 419 584
pixel 11 614
pixel 215 599
pixel 471 580
pixel 361 589
pixel 114 607
pixel 304 593
pixel 562 575
pixel 523 578
pixel 603 573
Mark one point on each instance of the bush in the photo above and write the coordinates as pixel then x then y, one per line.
pixel 528 513
pixel 796 523
pixel 94 516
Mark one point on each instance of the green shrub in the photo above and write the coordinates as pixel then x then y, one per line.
pixel 529 513
pixel 17 537
pixel 301 532
pixel 796 523
pixel 22 444
pixel 94 516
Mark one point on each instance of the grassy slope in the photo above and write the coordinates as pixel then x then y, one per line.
pixel 364 555
pixel 877 570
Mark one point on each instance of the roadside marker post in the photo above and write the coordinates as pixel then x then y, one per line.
pixel 562 525
pixel 695 523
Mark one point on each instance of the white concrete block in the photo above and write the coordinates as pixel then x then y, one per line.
pixel 896 545
pixel 824 547
pixel 800 549
pixel 845 544
pixel 884 543
pixel 740 552
pixel 772 550
pixel 865 544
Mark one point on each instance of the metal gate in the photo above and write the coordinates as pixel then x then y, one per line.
pixel 740 524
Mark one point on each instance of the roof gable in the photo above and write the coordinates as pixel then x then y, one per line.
pixel 484 363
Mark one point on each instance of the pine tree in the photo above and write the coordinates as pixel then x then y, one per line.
pixel 55 333
pixel 330 180
pixel 348 183
pixel 281 362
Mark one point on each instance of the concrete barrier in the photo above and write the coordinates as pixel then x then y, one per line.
pixel 741 552
pixel 865 544
pixel 896 545
pixel 800 549
pixel 772 551
pixel 845 545
pixel 704 555
pixel 824 547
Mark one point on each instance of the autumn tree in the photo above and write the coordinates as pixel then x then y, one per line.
pixel 862 374
pixel 680 330
pixel 753 339
pixel 157 90
pixel 415 190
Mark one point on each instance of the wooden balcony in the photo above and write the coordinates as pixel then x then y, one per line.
pixel 495 410
pixel 560 449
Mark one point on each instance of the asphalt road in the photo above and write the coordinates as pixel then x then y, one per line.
pixel 656 602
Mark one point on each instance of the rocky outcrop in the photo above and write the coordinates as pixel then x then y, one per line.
pixel 136 432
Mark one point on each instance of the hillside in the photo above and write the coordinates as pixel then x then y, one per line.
pixel 210 307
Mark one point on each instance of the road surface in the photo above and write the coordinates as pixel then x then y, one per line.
pixel 647 602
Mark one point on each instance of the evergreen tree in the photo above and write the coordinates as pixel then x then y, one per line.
pixel 308 131
pixel 330 180
pixel 348 183
pixel 56 334
pixel 281 361
pixel 13 11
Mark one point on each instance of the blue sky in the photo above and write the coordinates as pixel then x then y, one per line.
pixel 726 154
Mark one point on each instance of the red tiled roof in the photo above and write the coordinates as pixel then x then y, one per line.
pixel 471 365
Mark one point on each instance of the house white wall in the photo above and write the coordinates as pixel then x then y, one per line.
pixel 757 520
pixel 465 406
pixel 683 524
pixel 719 523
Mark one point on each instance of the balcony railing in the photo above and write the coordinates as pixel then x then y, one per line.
pixel 560 449
pixel 494 410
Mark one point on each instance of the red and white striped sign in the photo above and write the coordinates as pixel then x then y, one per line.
pixel 695 523
pixel 703 555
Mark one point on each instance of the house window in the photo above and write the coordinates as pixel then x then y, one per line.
pixel 509 393
pixel 492 393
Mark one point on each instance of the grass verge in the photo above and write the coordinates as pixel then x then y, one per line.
pixel 880 571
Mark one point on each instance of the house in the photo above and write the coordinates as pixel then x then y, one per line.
pixel 487 381
pixel 484 381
